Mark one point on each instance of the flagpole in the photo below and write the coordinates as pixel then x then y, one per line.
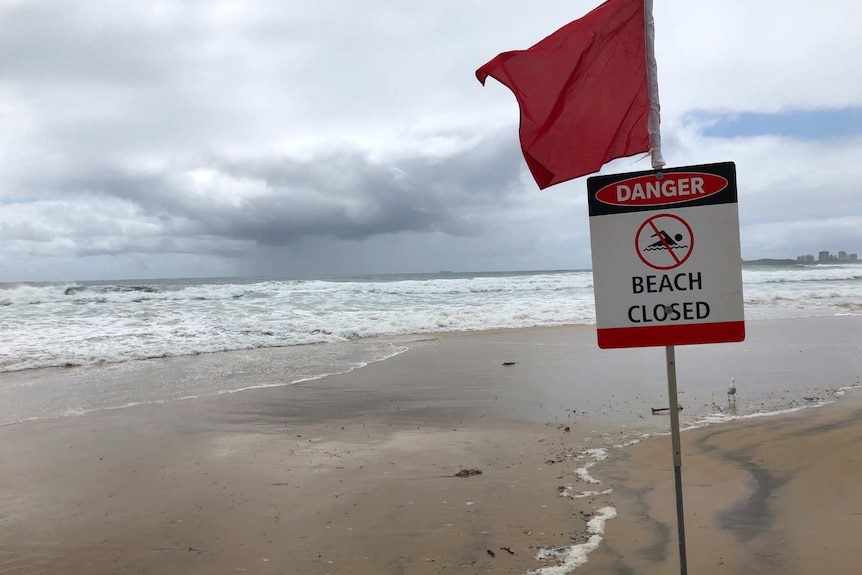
pixel 654 122
pixel 654 130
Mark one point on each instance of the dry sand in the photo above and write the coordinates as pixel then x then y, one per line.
pixel 354 474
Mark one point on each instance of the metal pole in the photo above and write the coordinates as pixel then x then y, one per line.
pixel 677 453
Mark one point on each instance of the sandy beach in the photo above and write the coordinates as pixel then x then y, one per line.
pixel 763 495
pixel 358 473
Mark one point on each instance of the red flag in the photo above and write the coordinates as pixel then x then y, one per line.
pixel 582 92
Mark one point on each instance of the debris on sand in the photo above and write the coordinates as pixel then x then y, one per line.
pixel 509 362
pixel 468 473
pixel 662 410
pixel 491 553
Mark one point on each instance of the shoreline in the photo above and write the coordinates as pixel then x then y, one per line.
pixel 361 469
pixel 399 338
pixel 265 361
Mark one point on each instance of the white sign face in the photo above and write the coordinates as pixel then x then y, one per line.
pixel 667 268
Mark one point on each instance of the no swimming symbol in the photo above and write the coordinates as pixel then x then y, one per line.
pixel 664 241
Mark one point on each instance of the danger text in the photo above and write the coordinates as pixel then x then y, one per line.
pixel 669 188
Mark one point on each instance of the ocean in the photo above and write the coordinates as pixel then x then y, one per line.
pixel 316 327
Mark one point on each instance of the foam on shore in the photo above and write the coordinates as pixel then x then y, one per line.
pixel 570 558
pixel 583 472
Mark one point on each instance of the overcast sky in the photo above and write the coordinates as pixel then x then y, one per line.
pixel 285 138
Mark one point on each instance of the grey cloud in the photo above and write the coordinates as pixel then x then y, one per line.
pixel 46 45
pixel 321 135
pixel 345 195
pixel 340 194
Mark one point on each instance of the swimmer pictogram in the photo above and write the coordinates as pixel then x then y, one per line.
pixel 664 241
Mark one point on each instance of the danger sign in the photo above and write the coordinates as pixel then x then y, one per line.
pixel 666 258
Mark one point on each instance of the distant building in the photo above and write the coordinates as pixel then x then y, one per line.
pixel 825 257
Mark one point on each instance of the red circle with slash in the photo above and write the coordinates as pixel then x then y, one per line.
pixel 664 241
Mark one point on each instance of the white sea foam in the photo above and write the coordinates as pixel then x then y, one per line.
pixel 841 391
pixel 27 395
pixel 811 273
pixel 568 492
pixel 83 324
pixel 570 558
pixel 595 455
pixel 45 325
pixel 86 324
pixel 720 417
pixel 634 441
pixel 396 350
pixel 796 291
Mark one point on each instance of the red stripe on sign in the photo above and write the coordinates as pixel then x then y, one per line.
pixel 663 335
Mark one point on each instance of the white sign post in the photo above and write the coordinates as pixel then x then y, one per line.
pixel 667 269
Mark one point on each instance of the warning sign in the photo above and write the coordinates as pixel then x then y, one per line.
pixel 664 242
pixel 677 279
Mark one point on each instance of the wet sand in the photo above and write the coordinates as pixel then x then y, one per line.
pixel 355 473
pixel 132 492
pixel 764 495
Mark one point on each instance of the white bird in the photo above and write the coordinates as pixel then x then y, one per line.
pixel 731 391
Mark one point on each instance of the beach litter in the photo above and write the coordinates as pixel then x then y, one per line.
pixel 662 410
pixel 468 473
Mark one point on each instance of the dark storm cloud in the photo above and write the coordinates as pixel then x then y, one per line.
pixel 345 195
pixel 341 194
